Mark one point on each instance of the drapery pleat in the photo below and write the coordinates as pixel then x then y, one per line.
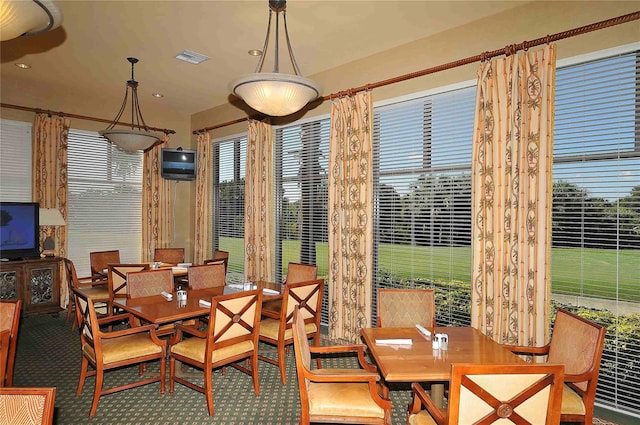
pixel 350 216
pixel 50 185
pixel 259 211
pixel 156 204
pixel 511 201
pixel 202 244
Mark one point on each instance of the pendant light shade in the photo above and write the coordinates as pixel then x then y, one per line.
pixel 275 93
pixel 27 17
pixel 138 137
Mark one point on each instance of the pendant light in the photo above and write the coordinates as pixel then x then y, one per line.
pixel 138 137
pixel 275 93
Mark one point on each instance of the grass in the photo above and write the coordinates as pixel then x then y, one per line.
pixel 596 273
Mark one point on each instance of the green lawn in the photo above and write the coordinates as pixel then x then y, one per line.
pixel 597 273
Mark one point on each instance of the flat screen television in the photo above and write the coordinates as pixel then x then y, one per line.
pixel 179 164
pixel 19 230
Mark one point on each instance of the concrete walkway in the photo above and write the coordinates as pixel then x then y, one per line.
pixel 619 307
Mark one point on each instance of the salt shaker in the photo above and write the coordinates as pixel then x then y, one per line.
pixel 435 343
pixel 444 341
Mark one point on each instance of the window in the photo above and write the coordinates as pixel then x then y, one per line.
pixel 15 161
pixel 302 160
pixel 229 159
pixel 422 189
pixel 595 259
pixel 105 200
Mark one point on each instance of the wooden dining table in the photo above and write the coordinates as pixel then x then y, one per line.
pixel 420 362
pixel 156 309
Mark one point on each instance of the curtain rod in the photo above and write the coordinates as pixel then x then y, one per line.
pixel 81 117
pixel 507 50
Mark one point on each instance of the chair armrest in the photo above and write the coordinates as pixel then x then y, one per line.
pixel 420 397
pixel 180 328
pixel 327 349
pixel 521 349
pixel 341 375
pixel 270 314
pixel 128 331
pixel 118 317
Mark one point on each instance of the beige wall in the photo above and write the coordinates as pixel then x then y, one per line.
pixel 528 22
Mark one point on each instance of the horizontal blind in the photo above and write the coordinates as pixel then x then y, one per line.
pixel 302 157
pixel 596 210
pixel 105 200
pixel 422 189
pixel 15 161
pixel 230 158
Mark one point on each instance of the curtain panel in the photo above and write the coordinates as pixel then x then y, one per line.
pixel 50 185
pixel 511 200
pixel 259 219
pixel 203 245
pixel 156 204
pixel 350 223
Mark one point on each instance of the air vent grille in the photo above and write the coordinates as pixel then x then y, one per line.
pixel 191 57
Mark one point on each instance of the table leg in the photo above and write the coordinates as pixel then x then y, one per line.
pixel 437 394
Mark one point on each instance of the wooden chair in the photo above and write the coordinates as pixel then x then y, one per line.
pixel 577 343
pixel 111 350
pixel 220 256
pixel 493 393
pixel 207 275
pixel 171 256
pixel 98 293
pixel 277 330
pixel 149 282
pixel 404 307
pixel 336 395
pixel 232 336
pixel 100 260
pixel 296 272
pixel 27 406
pixel 117 280
pixel 9 326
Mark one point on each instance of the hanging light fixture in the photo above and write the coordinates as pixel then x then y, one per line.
pixel 275 93
pixel 138 137
pixel 27 17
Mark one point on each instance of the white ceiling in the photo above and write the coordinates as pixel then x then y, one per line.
pixel 87 55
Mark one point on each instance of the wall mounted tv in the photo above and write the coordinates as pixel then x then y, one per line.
pixel 19 230
pixel 179 164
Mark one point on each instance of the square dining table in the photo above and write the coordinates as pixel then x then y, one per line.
pixel 418 361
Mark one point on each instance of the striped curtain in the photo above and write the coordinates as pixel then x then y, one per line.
pixel 203 243
pixel 511 201
pixel 49 185
pixel 156 204
pixel 259 224
pixel 350 216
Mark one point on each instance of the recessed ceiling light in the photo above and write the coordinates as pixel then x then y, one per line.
pixel 23 65
pixel 255 52
pixel 157 95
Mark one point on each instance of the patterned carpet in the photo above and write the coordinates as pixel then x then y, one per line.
pixel 49 355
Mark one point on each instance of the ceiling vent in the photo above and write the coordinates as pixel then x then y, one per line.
pixel 191 57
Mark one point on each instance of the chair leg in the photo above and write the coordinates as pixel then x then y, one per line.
pixel 163 372
pixel 316 341
pixel 208 389
pixel 281 364
pixel 254 373
pixel 96 392
pixel 83 375
pixel 172 374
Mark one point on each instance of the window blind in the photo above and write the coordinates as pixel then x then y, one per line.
pixel 15 161
pixel 105 200
pixel 596 210
pixel 422 189
pixel 230 158
pixel 302 157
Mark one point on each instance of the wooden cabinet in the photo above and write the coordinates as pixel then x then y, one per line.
pixel 36 282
